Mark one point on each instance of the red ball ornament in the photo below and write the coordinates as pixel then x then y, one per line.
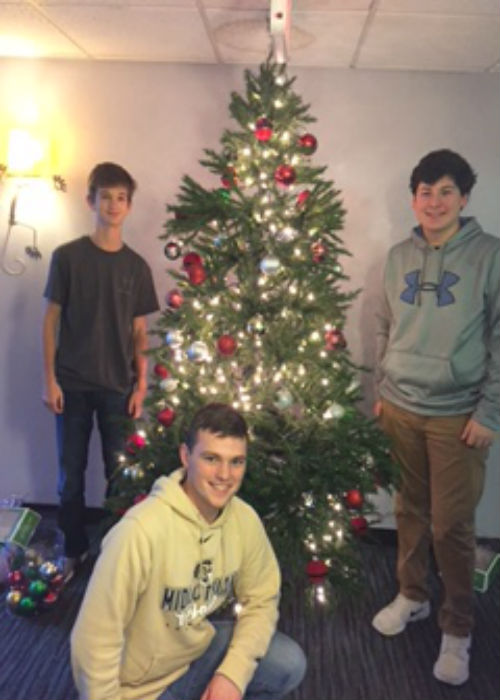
pixel 334 339
pixel 49 600
pixel 316 571
pixel 140 497
pixel 359 525
pixel 166 417
pixel 175 299
pixel 57 583
pixel 197 274
pixel 285 175
pixel 161 371
pixel 191 259
pixel 226 345
pixel 308 143
pixel 354 498
pixel 135 442
pixel 263 129
pixel 302 197
pixel 229 179
pixel 16 580
pixel 318 251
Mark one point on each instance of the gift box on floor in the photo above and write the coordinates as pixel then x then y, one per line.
pixel 487 567
pixel 17 525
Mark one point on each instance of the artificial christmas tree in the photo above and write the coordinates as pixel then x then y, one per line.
pixel 255 318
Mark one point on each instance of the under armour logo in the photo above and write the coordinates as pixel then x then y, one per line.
pixel 443 294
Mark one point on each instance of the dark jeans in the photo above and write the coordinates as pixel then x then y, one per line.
pixel 74 427
pixel 278 673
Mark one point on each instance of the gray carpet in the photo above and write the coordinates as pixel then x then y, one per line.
pixel 347 659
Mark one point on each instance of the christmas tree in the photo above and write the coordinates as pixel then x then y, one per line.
pixel 255 318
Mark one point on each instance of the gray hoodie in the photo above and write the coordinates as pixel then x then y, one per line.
pixel 438 326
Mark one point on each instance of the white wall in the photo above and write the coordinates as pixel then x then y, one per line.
pixel 155 120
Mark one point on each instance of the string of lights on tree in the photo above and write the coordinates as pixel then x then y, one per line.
pixel 255 317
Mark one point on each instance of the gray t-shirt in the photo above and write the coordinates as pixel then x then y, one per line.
pixel 100 293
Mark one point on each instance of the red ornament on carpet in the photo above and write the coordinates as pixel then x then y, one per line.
pixel 308 143
pixel 49 600
pixel 226 345
pixel 316 571
pixel 285 175
pixel 359 525
pixel 161 371
pixel 302 197
pixel 135 442
pixel 191 259
pixel 166 417
pixel 175 299
pixel 197 274
pixel 354 498
pixel 334 339
pixel 16 579
pixel 263 129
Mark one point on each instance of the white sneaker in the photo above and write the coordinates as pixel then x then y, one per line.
pixel 452 665
pixel 394 617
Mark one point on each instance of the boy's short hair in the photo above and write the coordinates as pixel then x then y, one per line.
pixel 438 164
pixel 110 175
pixel 219 419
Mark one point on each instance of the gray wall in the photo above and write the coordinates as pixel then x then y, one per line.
pixel 156 119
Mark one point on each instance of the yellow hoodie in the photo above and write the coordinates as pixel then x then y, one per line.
pixel 161 571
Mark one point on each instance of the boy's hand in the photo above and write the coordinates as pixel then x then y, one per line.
pixel 221 688
pixel 53 397
pixel 477 435
pixel 135 403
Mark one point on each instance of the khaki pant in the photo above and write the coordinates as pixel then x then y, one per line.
pixel 442 482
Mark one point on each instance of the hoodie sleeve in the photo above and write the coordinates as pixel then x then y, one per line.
pixel 257 588
pixel 488 408
pixel 382 327
pixel 97 638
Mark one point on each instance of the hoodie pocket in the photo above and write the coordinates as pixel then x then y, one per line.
pixel 419 375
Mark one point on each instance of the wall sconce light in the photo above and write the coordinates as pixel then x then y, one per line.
pixel 27 158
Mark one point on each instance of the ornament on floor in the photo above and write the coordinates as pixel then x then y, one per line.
pixel 319 593
pixel 263 129
pixel 226 345
pixel 285 175
pixel 308 143
pixel 353 498
pixel 35 581
pixel 172 250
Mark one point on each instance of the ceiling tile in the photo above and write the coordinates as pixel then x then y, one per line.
pixel 317 38
pixel 450 7
pixel 430 42
pixel 25 32
pixel 136 33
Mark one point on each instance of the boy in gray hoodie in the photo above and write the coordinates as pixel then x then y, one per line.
pixel 438 378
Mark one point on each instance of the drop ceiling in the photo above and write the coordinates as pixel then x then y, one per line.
pixel 429 35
